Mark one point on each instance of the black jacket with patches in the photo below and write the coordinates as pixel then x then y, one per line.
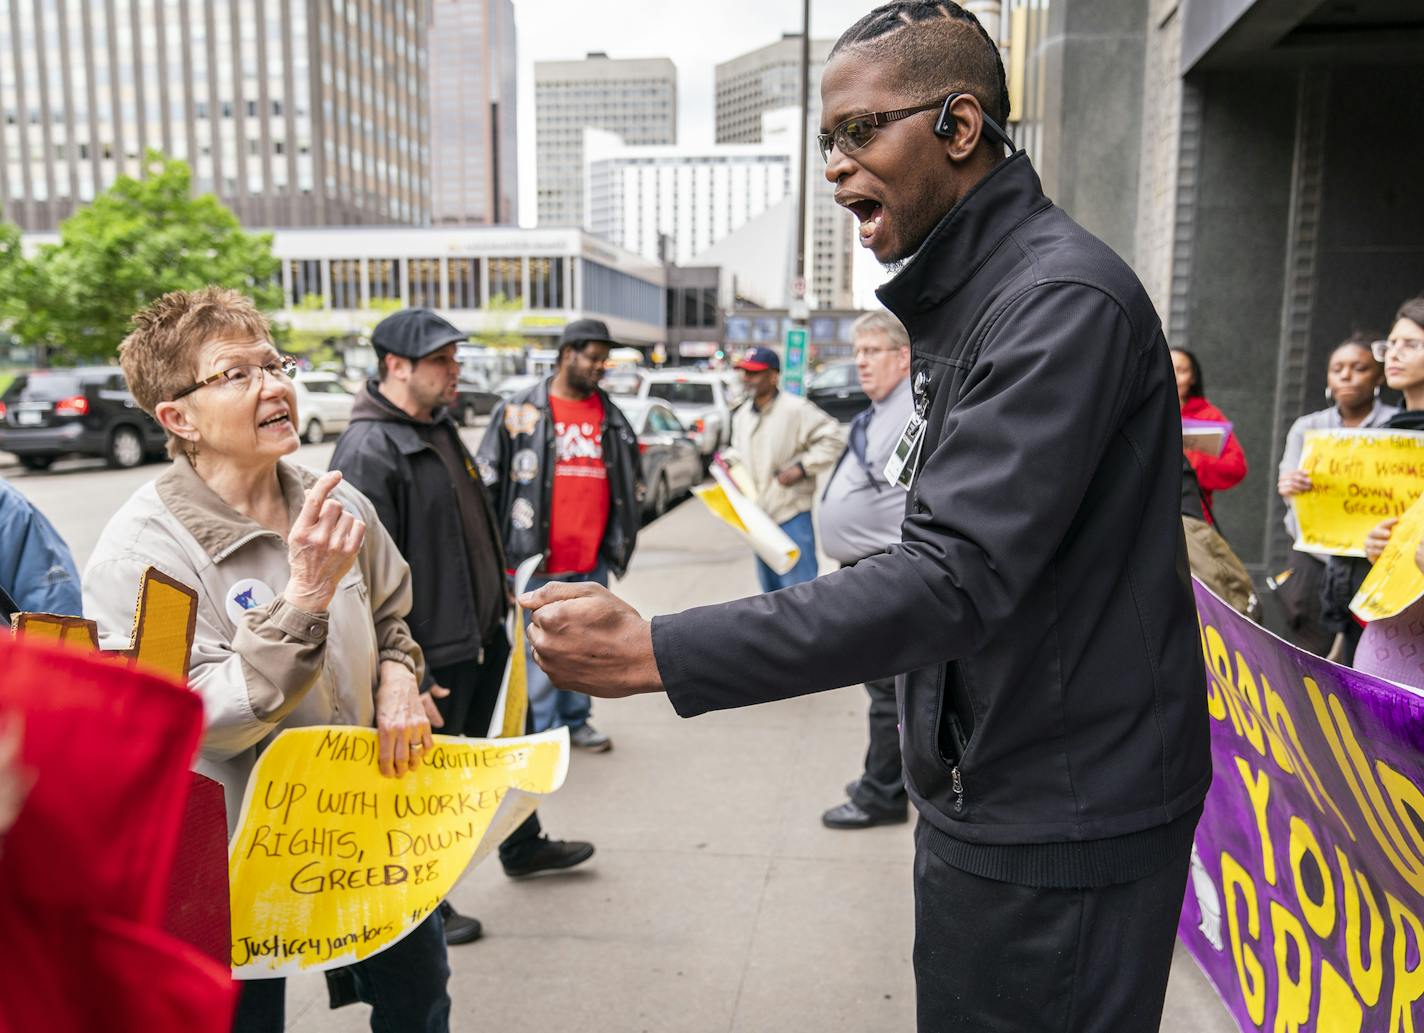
pixel 1040 598
pixel 383 454
pixel 520 429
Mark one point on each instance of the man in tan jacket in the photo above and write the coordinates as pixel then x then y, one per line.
pixel 784 443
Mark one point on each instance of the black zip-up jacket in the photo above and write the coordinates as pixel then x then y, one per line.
pixel 1040 597
pixel 516 460
pixel 383 454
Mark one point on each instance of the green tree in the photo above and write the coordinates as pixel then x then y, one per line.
pixel 139 239
pixel 502 323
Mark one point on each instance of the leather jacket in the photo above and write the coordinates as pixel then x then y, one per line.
pixel 516 461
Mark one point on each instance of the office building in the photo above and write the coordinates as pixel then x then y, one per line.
pixel 527 283
pixel 474 161
pixel 670 203
pixel 763 80
pixel 636 99
pixel 293 113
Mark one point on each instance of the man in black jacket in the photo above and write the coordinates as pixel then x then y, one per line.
pixel 1053 722
pixel 561 461
pixel 403 452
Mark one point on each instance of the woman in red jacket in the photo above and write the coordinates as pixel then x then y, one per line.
pixel 1214 472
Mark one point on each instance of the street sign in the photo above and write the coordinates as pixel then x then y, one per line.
pixel 793 366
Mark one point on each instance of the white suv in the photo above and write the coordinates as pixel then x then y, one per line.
pixel 703 399
pixel 323 405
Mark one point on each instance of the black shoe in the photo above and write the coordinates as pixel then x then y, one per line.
pixel 545 855
pixel 851 787
pixel 850 815
pixel 459 928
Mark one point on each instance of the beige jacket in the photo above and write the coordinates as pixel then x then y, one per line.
pixel 789 430
pixel 259 664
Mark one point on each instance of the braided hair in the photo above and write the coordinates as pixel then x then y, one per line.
pixel 938 47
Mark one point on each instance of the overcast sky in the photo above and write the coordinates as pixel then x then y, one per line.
pixel 696 36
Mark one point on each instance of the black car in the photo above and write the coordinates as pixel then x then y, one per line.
pixel 474 399
pixel 837 390
pixel 85 411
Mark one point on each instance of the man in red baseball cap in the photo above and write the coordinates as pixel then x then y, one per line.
pixel 783 442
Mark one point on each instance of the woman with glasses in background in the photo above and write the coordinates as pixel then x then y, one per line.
pixel 1352 386
pixel 302 595
pixel 1391 648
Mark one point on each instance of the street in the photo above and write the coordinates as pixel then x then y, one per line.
pixel 716 901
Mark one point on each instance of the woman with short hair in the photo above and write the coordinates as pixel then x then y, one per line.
pixel 301 593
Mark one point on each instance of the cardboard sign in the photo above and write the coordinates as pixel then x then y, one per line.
pixel 165 621
pixel 333 862
pixel 1395 582
pixel 1359 478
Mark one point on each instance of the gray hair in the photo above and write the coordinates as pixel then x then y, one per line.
pixel 881 322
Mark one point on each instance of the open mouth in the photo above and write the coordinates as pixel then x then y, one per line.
pixel 280 420
pixel 871 216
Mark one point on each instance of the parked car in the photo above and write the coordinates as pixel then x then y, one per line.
pixel 511 386
pixel 669 459
pixel 323 405
pixel 700 398
pixel 837 390
pixel 474 399
pixel 85 411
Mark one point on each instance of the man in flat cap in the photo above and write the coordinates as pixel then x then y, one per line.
pixel 403 452
pixel 562 463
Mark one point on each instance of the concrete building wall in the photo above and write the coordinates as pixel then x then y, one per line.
pixel 1092 60
pixel 636 99
pixel 278 105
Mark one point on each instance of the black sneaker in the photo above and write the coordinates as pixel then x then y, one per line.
pixel 459 928
pixel 545 855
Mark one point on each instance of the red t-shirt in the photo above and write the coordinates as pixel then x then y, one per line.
pixel 578 513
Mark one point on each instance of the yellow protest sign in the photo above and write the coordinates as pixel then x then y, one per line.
pixel 1395 581
pixel 732 506
pixel 1358 478
pixel 332 862
pixel 512 705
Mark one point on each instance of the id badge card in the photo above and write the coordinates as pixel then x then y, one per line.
pixel 905 457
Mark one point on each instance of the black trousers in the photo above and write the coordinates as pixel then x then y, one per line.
pixel 881 788
pixel 994 957
pixel 474 691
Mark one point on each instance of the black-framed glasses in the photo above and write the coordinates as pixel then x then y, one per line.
pixel 858 130
pixel 244 375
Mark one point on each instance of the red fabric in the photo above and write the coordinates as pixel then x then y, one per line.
pixel 87 863
pixel 578 514
pixel 196 908
pixel 1214 473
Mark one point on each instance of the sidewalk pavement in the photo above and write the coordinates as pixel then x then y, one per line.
pixel 717 903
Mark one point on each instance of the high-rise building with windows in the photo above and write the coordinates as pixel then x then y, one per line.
pixel 762 80
pixel 294 112
pixel 637 99
pixel 474 159
pixel 670 203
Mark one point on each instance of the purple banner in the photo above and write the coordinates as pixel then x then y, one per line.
pixel 1305 905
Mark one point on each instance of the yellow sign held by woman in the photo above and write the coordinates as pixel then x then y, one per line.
pixel 1358 478
pixel 333 862
pixel 1395 582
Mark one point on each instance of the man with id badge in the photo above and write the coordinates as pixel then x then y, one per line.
pixel 860 516
pixel 1053 714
